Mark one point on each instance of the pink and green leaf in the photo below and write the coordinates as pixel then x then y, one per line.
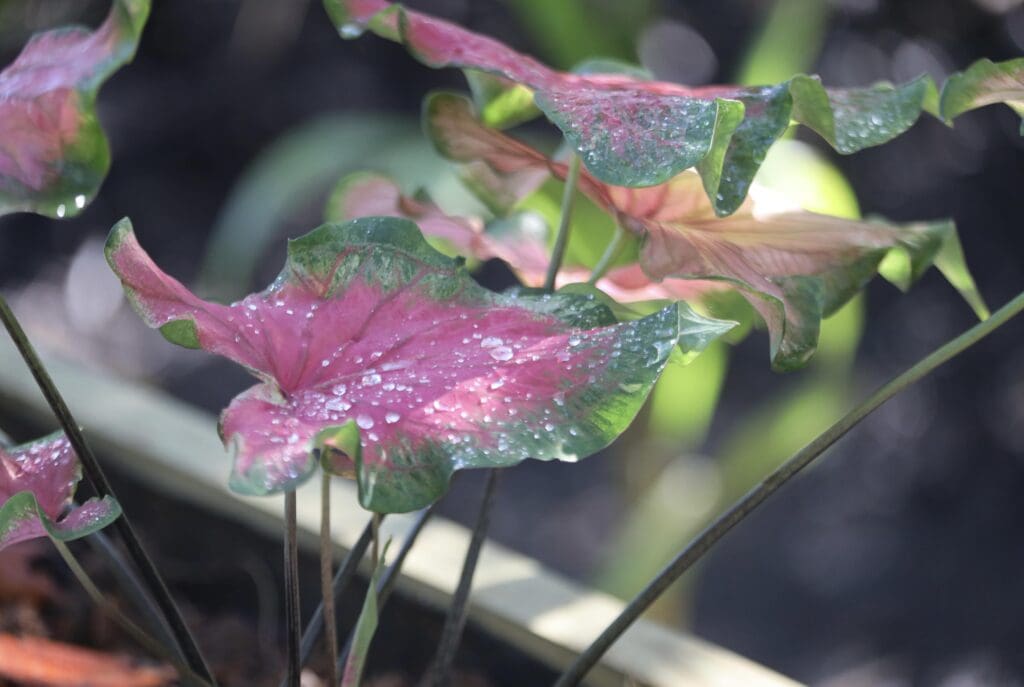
pixel 984 83
pixel 794 267
pixel 37 484
pixel 367 324
pixel 633 131
pixel 53 153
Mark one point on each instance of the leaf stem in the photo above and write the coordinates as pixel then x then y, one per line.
pixel 609 255
pixel 345 573
pixel 293 623
pixel 387 582
pixel 455 621
pixel 94 473
pixel 375 552
pixel 326 573
pixel 136 632
pixel 753 498
pixel 129 581
pixel 564 223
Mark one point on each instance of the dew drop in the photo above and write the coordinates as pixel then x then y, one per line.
pixel 392 417
pixel 364 422
pixel 501 353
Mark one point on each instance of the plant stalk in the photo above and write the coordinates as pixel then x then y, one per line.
pixel 608 257
pixel 345 573
pixel 129 581
pixel 94 473
pixel 753 498
pixel 375 551
pixel 326 573
pixel 126 624
pixel 564 223
pixel 293 622
pixel 455 621
pixel 387 582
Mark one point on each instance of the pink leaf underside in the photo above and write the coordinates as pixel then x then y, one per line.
pixel 405 368
pixel 766 237
pixel 39 99
pixel 47 468
pixel 527 254
pixel 371 195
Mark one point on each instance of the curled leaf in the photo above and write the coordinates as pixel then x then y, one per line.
pixel 53 154
pixel 794 267
pixel 984 83
pixel 37 483
pixel 369 325
pixel 633 131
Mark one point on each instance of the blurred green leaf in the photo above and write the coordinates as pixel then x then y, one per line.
pixel 788 43
pixel 984 83
pixel 296 170
pixel 569 31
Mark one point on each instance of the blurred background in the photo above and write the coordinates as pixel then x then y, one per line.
pixel 898 560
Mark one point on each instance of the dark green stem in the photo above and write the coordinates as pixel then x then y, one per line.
pixel 375 551
pixel 293 621
pixel 608 257
pixel 565 221
pixel 136 632
pixel 344 575
pixel 455 621
pixel 94 473
pixel 752 499
pixel 387 582
pixel 326 584
pixel 133 587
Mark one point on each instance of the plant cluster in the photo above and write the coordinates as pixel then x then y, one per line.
pixel 377 355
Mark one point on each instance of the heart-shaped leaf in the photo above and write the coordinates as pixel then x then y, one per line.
pixel 37 483
pixel 632 131
pixel 368 324
pixel 794 267
pixel 53 154
pixel 984 83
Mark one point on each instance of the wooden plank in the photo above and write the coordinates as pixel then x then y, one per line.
pixel 175 448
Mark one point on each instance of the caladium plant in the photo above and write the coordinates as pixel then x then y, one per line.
pixel 521 240
pixel 384 358
pixel 37 485
pixel 633 131
pixel 53 153
pixel 794 267
pixel 984 83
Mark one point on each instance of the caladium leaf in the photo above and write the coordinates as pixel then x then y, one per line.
pixel 633 131
pixel 794 267
pixel 521 240
pixel 984 83
pixel 37 483
pixel 368 324
pixel 53 154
